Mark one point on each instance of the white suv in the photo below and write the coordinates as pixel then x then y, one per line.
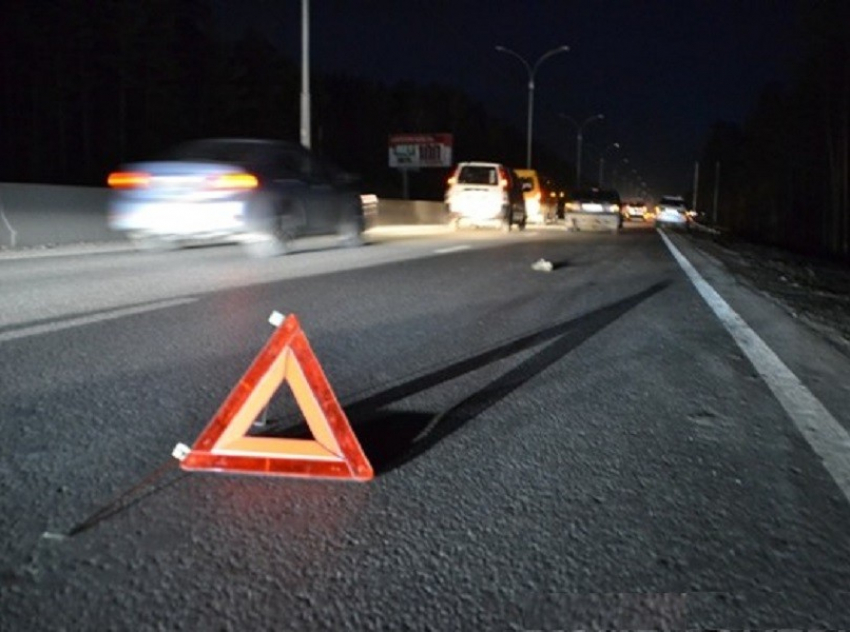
pixel 485 194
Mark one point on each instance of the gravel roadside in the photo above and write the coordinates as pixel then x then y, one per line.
pixel 816 292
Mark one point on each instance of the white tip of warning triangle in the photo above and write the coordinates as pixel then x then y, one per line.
pixel 180 451
pixel 276 319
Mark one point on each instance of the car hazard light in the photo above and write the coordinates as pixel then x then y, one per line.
pixel 128 180
pixel 233 181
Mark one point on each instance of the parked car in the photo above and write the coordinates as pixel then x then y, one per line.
pixel 263 193
pixel 539 206
pixel 485 194
pixel 594 209
pixel 671 211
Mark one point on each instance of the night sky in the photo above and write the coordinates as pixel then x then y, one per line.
pixel 660 71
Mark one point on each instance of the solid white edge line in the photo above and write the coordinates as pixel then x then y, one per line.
pixel 827 437
pixel 35 330
pixel 443 251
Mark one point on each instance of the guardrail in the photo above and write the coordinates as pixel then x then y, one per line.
pixel 42 215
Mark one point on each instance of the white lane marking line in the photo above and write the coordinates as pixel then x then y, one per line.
pixel 442 251
pixel 35 330
pixel 825 435
pixel 410 229
pixel 68 250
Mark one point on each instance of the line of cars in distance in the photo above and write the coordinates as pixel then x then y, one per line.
pixel 491 194
pixel 265 194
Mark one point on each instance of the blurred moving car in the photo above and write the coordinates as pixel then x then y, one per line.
pixel 485 194
pixel 671 211
pixel 635 210
pixel 593 209
pixel 540 207
pixel 262 193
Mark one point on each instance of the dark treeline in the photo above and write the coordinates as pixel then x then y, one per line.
pixel 781 178
pixel 88 85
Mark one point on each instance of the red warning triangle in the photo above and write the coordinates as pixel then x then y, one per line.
pixel 334 451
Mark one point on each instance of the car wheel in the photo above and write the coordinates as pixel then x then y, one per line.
pixel 272 242
pixel 350 235
pixel 273 230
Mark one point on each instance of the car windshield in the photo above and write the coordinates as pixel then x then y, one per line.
pixel 470 174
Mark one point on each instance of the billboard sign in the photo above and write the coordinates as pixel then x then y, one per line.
pixel 415 151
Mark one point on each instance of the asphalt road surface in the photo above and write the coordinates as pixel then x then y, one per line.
pixel 627 441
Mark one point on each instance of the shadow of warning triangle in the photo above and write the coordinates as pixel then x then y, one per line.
pixel 227 445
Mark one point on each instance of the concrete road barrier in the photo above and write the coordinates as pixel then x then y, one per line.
pixel 394 212
pixel 33 215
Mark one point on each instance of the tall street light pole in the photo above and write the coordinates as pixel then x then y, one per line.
pixel 532 71
pixel 305 73
pixel 579 137
pixel 602 160
pixel 617 179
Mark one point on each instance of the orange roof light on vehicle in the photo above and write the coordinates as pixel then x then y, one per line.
pixel 233 181
pixel 128 180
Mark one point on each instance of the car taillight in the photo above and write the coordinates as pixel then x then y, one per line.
pixel 128 180
pixel 451 181
pixel 233 181
pixel 536 197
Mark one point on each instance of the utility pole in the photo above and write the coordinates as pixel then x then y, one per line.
pixel 696 186
pixel 305 73
pixel 716 192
